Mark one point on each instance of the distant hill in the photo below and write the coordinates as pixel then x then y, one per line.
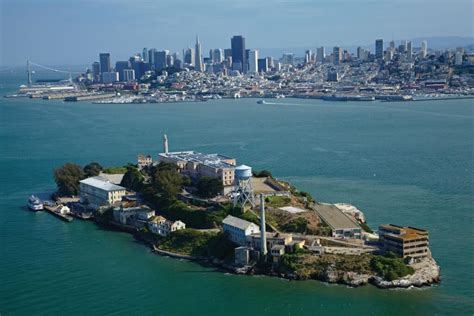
pixel 439 42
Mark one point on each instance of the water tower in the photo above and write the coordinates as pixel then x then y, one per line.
pixel 243 189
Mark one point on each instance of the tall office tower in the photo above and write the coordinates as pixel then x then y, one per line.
pixel 389 54
pixel 320 54
pixel 253 61
pixel 140 68
pixel 188 56
pixel 308 56
pixel 263 65
pixel 104 62
pixel 198 56
pixel 238 53
pixel 217 55
pixel 424 49
pixel 359 52
pixel 458 57
pixel 96 71
pixel 120 66
pixel 404 46
pixel 145 54
pixel 409 51
pixel 392 45
pixel 151 57
pixel 270 63
pixel 169 60
pixel 161 59
pixel 337 55
pixel 379 49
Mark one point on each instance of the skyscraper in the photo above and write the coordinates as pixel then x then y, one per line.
pixel 424 49
pixel 337 55
pixel 253 61
pixel 238 53
pixel 198 56
pixel 263 65
pixel 145 54
pixel 96 71
pixel 217 55
pixel 188 56
pixel 120 66
pixel 409 51
pixel 104 62
pixel 320 54
pixel 379 49
pixel 151 57
pixel 161 59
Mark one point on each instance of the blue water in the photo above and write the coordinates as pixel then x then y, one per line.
pixel 404 163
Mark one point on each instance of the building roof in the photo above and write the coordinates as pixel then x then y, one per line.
pixel 211 160
pixel 237 222
pixel 115 178
pixel 334 217
pixel 404 233
pixel 102 183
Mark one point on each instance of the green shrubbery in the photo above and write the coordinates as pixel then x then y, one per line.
pixel 199 244
pixel 390 267
pixel 277 201
pixel 297 225
pixel 115 169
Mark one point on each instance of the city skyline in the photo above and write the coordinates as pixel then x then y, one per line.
pixel 306 24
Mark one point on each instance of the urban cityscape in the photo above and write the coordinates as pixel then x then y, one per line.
pixel 391 72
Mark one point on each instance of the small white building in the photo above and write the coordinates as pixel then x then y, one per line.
pixel 99 191
pixel 238 229
pixel 163 227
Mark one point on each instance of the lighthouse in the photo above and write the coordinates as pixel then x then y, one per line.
pixel 165 144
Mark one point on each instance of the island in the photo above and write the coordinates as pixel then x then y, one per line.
pixel 207 208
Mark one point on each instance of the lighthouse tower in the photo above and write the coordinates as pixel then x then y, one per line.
pixel 165 144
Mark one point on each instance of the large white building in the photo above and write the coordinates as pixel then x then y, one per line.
pixel 98 191
pixel 253 61
pixel 238 229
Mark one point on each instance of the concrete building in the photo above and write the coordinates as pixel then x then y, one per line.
pixel 98 191
pixel 197 165
pixel 253 61
pixel 262 65
pixel 342 226
pixel 133 216
pixel 337 55
pixel 120 66
pixel 128 75
pixel 144 161
pixel 96 71
pixel 255 240
pixel 105 62
pixel 163 227
pixel 424 49
pixel 404 241
pixel 238 229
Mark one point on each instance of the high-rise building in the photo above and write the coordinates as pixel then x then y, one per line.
pixel 145 54
pixel 198 56
pixel 110 77
pixel 270 63
pixel 217 55
pixel 96 71
pixel 263 65
pixel 320 54
pixel 458 57
pixel 140 68
pixel 392 45
pixel 409 51
pixel 104 62
pixel 337 55
pixel 424 49
pixel 308 56
pixel 227 53
pixel 151 57
pixel 288 59
pixel 120 66
pixel 238 53
pixel 161 59
pixel 188 56
pixel 253 61
pixel 379 49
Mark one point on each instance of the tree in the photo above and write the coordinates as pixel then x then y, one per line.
pixel 263 174
pixel 67 178
pixel 132 179
pixel 92 169
pixel 167 184
pixel 208 187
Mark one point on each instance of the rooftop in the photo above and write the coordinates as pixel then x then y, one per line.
pixel 334 217
pixel 212 160
pixel 404 232
pixel 102 183
pixel 236 222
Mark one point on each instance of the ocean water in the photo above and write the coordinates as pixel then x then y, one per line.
pixel 405 163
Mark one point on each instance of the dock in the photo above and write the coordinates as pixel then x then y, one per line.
pixel 55 211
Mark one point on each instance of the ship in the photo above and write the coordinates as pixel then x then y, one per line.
pixel 35 204
pixel 261 102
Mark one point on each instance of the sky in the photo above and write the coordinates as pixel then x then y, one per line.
pixel 73 32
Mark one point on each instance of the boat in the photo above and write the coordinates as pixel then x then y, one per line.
pixel 261 102
pixel 35 204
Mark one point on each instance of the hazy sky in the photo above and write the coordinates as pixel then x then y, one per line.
pixel 75 31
